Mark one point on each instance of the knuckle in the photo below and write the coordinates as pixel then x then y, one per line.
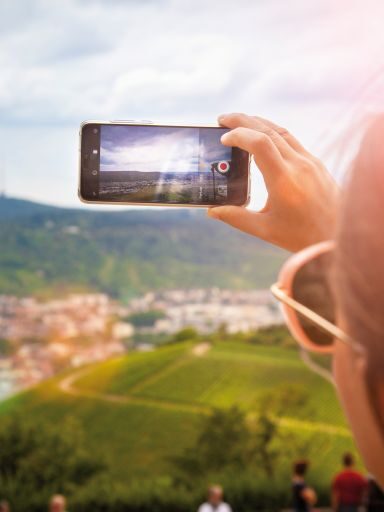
pixel 261 143
pixel 261 139
pixel 272 134
pixel 306 165
pixel 283 132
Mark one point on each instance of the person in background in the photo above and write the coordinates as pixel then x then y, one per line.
pixel 57 503
pixel 348 487
pixel 375 496
pixel 4 506
pixel 303 496
pixel 215 501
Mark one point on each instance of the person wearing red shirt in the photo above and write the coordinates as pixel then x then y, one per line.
pixel 348 487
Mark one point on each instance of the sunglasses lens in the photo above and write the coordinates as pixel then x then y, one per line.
pixel 310 287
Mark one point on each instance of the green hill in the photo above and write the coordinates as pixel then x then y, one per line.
pixel 12 208
pixel 47 250
pixel 142 408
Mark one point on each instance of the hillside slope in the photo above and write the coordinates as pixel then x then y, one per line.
pixel 46 250
pixel 12 208
pixel 141 409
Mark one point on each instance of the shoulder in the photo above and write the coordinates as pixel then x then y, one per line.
pixel 338 478
pixel 361 478
pixel 225 508
pixel 204 508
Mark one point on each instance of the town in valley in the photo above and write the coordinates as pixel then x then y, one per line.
pixel 40 338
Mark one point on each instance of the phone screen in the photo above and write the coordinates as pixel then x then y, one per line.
pixel 163 164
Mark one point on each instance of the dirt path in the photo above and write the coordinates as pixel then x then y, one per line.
pixel 201 349
pixel 314 427
pixel 68 386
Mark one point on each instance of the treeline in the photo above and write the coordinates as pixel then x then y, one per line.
pixel 276 336
pixel 47 251
pixel 250 455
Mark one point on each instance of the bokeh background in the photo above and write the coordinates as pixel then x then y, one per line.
pixel 142 355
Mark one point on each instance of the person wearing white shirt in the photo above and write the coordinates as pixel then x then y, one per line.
pixel 215 501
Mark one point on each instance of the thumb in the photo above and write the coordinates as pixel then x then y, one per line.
pixel 240 218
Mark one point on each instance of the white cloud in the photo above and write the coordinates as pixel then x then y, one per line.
pixel 301 63
pixel 162 153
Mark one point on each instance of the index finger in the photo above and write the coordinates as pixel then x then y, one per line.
pixel 267 157
pixel 283 132
pixel 242 120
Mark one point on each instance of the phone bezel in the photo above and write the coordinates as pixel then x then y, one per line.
pixel 134 203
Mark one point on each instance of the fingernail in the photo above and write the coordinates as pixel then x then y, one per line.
pixel 222 117
pixel 224 137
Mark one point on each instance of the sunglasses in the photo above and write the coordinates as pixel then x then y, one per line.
pixel 304 290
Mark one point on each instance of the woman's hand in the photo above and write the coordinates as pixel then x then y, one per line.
pixel 302 196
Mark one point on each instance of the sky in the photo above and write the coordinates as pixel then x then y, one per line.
pixel 160 149
pixel 313 66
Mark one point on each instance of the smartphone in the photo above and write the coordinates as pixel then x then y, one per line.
pixel 128 162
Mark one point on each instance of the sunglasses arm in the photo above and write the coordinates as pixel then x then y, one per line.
pixel 313 317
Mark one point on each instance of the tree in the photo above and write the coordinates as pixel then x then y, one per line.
pixel 273 445
pixel 220 445
pixel 265 434
pixel 186 334
pixel 145 318
pixel 287 399
pixel 231 441
pixel 48 457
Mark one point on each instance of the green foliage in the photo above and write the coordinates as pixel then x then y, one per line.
pixel 35 455
pixel 119 376
pixel 125 253
pixel 186 334
pixel 170 387
pixel 146 318
pixel 161 402
pixel 135 496
pixel 6 347
pixel 231 440
pixel 274 336
pixel 286 398
pixel 243 491
pixel 151 338
pixel 275 446
pixel 223 443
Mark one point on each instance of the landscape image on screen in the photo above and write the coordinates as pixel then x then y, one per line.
pixel 162 164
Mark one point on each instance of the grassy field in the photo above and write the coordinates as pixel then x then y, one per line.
pixel 144 407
